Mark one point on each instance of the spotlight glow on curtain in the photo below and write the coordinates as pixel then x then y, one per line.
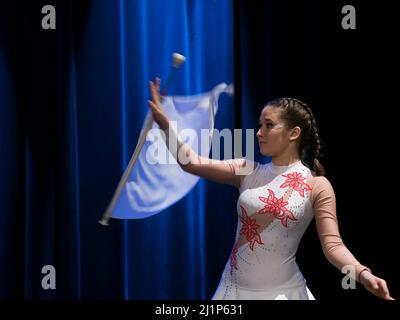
pixel 125 44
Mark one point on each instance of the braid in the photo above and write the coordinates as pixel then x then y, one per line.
pixel 315 136
pixel 314 132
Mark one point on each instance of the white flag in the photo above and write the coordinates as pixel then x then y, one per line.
pixel 150 186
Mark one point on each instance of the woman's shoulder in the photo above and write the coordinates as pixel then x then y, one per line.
pixel 319 181
pixel 320 187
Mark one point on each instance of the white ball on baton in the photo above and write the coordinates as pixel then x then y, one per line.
pixel 177 59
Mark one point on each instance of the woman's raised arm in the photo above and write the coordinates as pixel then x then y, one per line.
pixel 222 171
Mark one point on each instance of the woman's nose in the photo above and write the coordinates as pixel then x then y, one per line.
pixel 259 133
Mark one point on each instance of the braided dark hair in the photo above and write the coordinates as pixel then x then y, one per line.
pixel 295 112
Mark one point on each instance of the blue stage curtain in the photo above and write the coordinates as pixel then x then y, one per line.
pixel 84 88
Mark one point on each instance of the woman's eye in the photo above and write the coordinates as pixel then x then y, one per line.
pixel 269 125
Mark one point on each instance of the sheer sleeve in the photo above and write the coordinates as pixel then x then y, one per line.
pixel 230 171
pixel 324 205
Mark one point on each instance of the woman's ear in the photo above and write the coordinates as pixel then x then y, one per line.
pixel 294 133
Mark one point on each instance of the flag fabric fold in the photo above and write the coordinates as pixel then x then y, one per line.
pixel 150 186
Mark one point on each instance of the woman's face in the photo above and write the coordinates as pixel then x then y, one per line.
pixel 273 137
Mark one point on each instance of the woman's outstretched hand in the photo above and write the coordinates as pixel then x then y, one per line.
pixel 159 115
pixel 375 285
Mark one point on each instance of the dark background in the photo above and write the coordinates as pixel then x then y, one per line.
pixel 282 48
pixel 346 76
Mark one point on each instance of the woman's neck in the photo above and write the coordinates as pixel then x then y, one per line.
pixel 283 160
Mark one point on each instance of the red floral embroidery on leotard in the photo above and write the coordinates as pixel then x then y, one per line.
pixel 296 181
pixel 250 229
pixel 233 260
pixel 276 207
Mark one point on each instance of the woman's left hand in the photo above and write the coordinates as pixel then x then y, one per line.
pixel 375 285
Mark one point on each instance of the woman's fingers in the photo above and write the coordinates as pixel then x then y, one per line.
pixel 151 88
pixel 154 91
pixel 158 83
pixel 382 288
pixel 385 290
pixel 388 297
pixel 379 288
